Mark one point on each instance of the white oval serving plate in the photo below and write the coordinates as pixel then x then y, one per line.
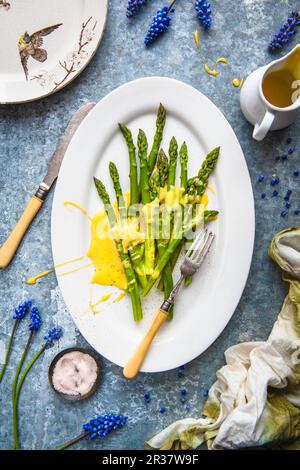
pixel 202 310
pixel 45 45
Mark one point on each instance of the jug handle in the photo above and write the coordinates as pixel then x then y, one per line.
pixel 261 130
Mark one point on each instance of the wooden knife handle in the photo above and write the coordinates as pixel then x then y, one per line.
pixel 9 247
pixel 135 362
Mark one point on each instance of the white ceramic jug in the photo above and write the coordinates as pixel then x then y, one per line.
pixel 270 96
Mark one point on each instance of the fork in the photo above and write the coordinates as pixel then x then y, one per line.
pixel 190 265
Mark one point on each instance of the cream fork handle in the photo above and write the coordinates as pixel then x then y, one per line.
pixel 135 362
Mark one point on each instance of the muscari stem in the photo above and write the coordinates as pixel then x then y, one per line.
pixel 171 4
pixel 14 392
pixel 8 351
pixel 72 441
pixel 27 369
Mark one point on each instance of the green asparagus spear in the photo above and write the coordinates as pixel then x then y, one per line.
pixel 198 184
pixel 144 173
pixel 159 176
pixel 166 277
pixel 167 222
pixel 173 245
pixel 173 262
pixel 173 154
pixel 114 174
pixel 136 252
pixel 133 175
pixel 163 168
pixel 154 183
pixel 183 162
pixel 160 125
pixel 129 272
pixel 145 193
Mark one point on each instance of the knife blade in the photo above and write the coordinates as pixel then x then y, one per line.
pixel 10 246
pixel 57 157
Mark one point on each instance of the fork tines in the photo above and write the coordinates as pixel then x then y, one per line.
pixel 200 246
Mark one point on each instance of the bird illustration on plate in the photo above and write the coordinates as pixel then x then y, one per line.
pixel 4 4
pixel 30 46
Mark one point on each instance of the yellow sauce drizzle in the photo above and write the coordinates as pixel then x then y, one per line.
pixel 209 71
pixel 204 200
pixel 33 280
pixel 74 204
pixel 197 38
pixel 76 269
pixel 102 252
pixel 105 298
pixel 214 72
pixel 92 306
pixel 120 297
pixel 222 60
pixel 237 83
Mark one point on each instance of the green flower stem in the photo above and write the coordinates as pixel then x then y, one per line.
pixel 171 4
pixel 14 392
pixel 29 366
pixel 73 441
pixel 8 351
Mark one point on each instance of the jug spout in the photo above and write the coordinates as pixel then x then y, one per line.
pixel 292 62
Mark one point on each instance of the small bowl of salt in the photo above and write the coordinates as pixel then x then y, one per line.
pixel 75 374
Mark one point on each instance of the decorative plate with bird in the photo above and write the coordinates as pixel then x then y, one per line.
pixel 42 52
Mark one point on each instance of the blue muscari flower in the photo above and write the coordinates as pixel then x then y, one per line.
pixel 53 335
pixel 286 33
pixel 159 25
pixel 103 425
pixel 134 6
pixel 274 181
pixel 35 318
pixel 21 310
pixel 203 10
pixel 162 409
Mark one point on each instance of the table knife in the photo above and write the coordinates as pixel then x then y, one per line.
pixel 10 246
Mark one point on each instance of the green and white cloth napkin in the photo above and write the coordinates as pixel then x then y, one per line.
pixel 256 398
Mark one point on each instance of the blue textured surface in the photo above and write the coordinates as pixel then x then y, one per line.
pixel 28 136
